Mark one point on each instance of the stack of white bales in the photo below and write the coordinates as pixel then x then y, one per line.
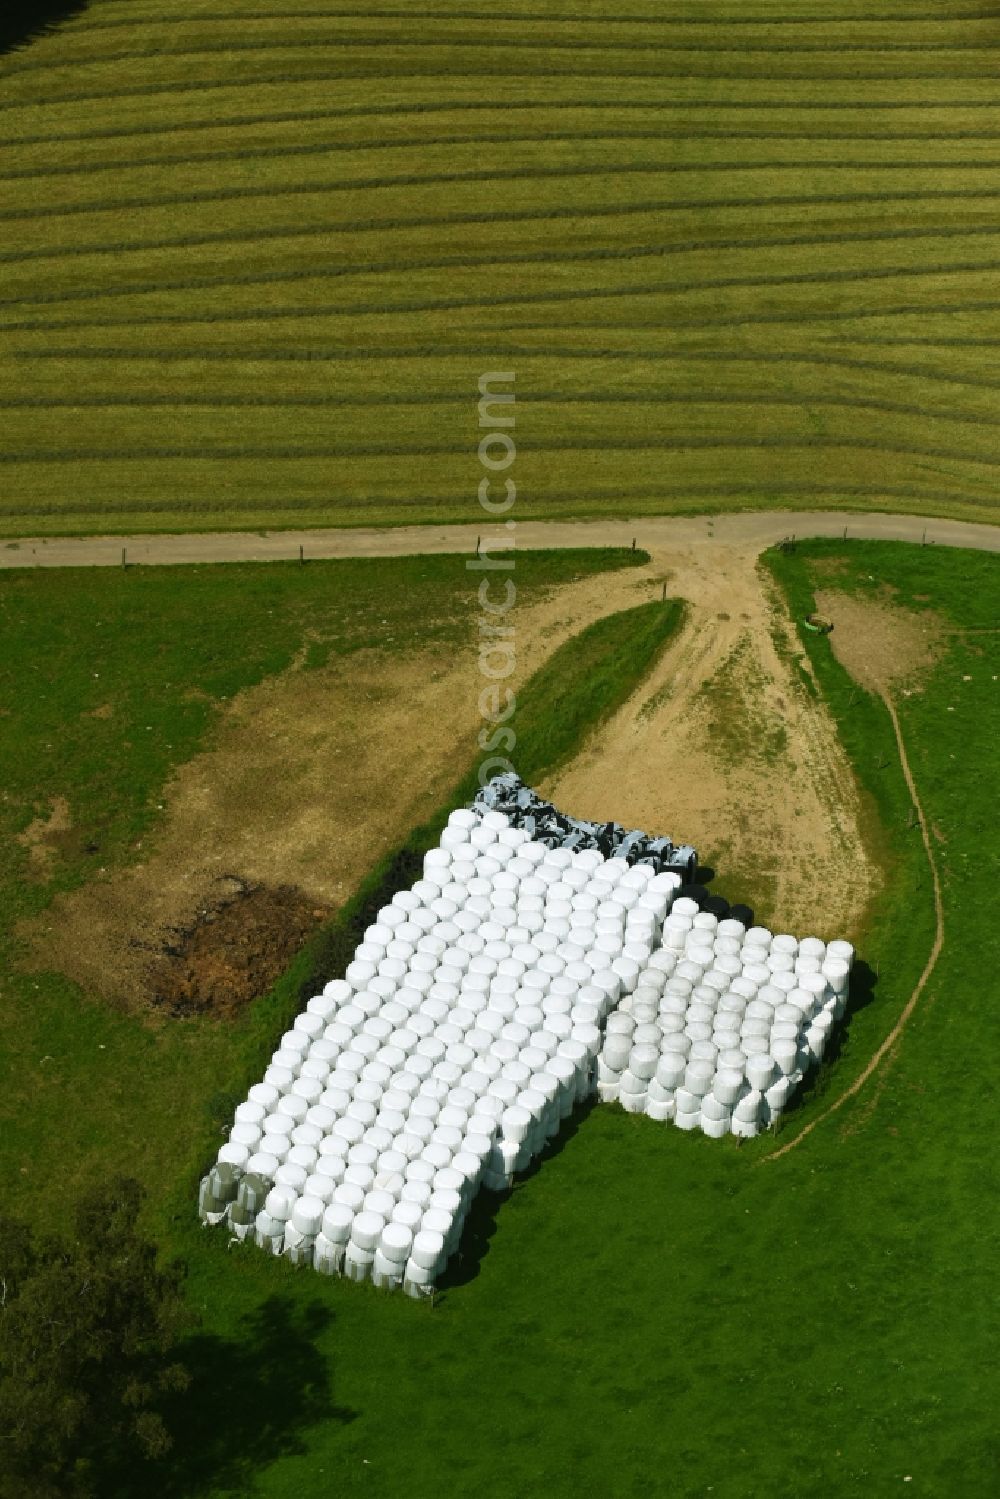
pixel 722 1023
pixel 467 1025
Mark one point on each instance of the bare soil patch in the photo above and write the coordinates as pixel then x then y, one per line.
pixel 235 950
pixel 882 645
pixel 44 837
pixel 309 778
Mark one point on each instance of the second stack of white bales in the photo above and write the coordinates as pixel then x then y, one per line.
pixel 723 1023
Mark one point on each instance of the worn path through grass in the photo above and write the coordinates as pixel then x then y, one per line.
pixel 889 1045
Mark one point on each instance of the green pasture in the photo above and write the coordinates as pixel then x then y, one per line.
pixel 647 1312
pixel 87 1089
pixel 253 261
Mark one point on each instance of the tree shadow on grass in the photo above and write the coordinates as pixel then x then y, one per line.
pixel 252 1400
pixel 22 21
pixel 481 1223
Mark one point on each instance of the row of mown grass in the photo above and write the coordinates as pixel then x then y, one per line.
pixel 735 260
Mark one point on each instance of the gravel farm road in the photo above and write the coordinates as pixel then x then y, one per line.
pixel 753 530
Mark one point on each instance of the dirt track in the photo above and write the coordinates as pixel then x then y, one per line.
pixel 751 530
pixel 883 647
pixel 708 747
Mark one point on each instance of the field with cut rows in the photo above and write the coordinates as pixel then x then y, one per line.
pixel 254 258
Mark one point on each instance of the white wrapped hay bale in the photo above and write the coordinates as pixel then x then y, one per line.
pixel 467 1026
pixel 512 981
pixel 736 1014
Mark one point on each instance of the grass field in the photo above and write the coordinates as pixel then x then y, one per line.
pixel 254 260
pixel 648 1312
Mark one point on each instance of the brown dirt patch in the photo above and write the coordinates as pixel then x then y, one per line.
pixel 829 567
pixel 881 644
pixel 309 778
pixel 234 951
pixel 44 837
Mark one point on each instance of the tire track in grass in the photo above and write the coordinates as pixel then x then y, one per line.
pixel 933 343
pixel 521 351
pixel 153 19
pixel 467 74
pixel 531 174
pixel 729 320
pixel 763 320
pixel 889 1046
pixel 585 503
pixel 419 75
pixel 599 443
pixel 784 357
pixel 456 399
pixel 719 356
pixel 505 138
pixel 373 143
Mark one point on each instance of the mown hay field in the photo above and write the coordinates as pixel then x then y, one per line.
pixel 254 259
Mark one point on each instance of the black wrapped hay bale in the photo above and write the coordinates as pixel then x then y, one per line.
pixel 544 823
